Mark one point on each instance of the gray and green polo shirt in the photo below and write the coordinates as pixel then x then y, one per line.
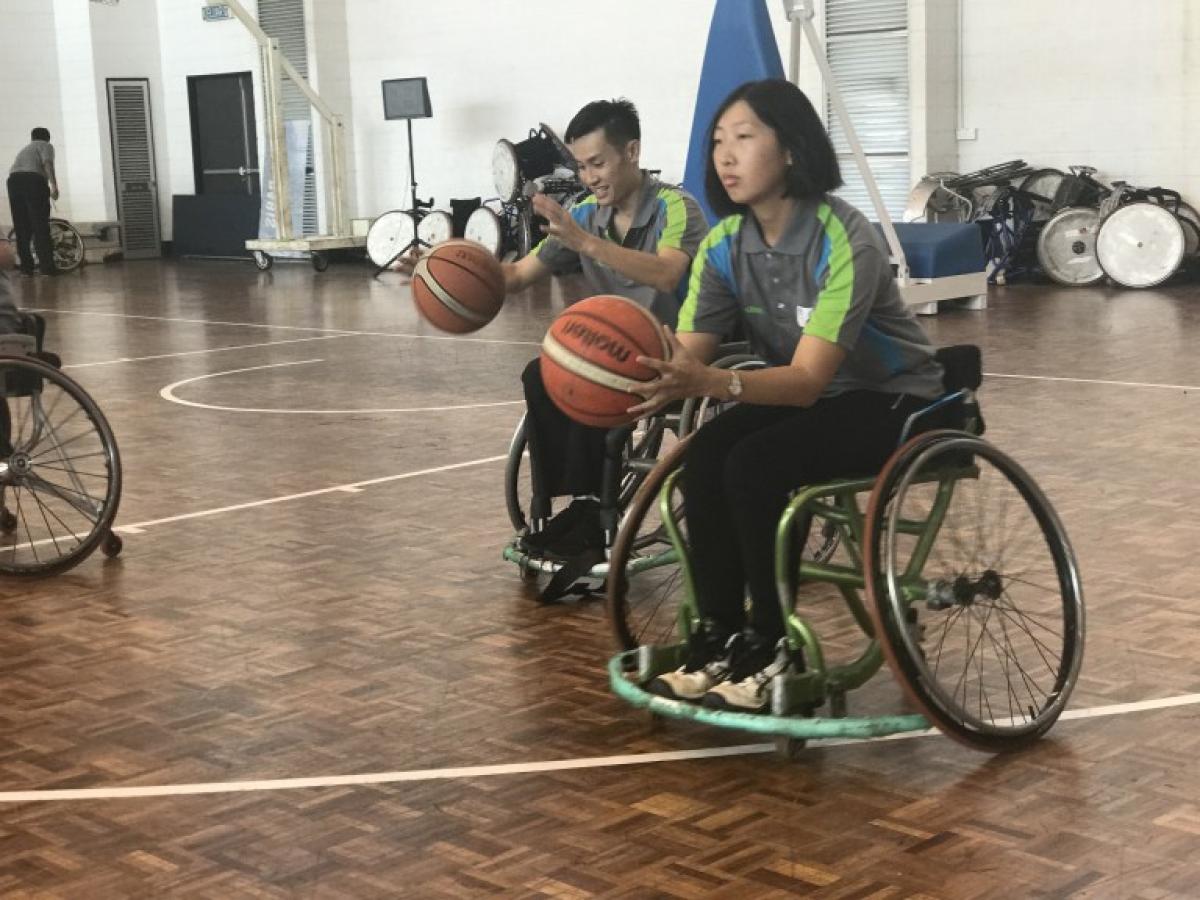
pixel 667 216
pixel 828 276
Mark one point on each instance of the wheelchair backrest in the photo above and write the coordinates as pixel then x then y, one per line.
pixel 962 366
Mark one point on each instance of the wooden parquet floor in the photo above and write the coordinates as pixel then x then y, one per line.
pixel 375 629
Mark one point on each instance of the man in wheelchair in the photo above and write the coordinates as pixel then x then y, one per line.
pixel 632 236
pixel 809 278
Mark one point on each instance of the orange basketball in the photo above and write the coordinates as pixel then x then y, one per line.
pixel 589 359
pixel 458 286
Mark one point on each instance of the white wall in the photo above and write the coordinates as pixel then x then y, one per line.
pixel 497 69
pixel 29 76
pixel 1103 82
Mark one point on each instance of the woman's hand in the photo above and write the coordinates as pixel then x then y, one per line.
pixel 681 376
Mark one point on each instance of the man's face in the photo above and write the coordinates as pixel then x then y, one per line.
pixel 609 172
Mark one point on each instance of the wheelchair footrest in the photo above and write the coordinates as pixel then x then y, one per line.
pixel 515 553
pixel 623 677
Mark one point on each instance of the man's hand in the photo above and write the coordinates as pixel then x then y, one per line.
pixel 54 192
pixel 560 224
pixel 683 375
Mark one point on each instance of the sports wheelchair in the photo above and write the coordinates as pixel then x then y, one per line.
pixel 60 470
pixel 66 241
pixel 973 594
pixel 631 454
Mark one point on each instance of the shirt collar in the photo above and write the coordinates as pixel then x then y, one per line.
pixel 647 204
pixel 795 237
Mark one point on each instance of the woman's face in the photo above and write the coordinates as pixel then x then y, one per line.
pixel 748 157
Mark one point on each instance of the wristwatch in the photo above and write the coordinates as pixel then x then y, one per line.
pixel 735 385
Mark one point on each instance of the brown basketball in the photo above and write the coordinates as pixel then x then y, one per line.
pixel 458 286
pixel 589 359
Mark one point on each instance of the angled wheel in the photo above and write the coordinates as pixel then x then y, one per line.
pixel 1066 247
pixel 60 471
pixel 644 604
pixel 974 590
pixel 263 261
pixel 641 450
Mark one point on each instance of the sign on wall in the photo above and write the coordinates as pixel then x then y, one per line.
pixel 215 12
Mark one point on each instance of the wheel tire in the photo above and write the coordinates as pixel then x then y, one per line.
pixel 320 261
pixel 946 465
pixel 632 627
pixel 263 261
pixel 37 376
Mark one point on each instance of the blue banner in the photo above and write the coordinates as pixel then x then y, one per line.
pixel 741 47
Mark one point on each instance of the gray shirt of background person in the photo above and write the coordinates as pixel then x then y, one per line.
pixel 828 275
pixel 36 157
pixel 667 216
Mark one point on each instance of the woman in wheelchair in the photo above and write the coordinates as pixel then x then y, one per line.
pixel 809 278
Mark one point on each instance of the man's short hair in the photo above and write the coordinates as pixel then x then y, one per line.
pixel 618 118
pixel 785 109
pixel 39 134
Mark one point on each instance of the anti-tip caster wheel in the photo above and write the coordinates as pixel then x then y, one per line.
pixel 320 261
pixel 112 545
pixel 263 261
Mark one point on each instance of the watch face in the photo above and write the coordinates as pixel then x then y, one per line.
pixel 506 175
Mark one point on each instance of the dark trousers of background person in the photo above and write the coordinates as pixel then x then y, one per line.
pixel 566 459
pixel 29 200
pixel 739 471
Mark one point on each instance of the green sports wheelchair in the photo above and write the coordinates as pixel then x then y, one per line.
pixel 953 565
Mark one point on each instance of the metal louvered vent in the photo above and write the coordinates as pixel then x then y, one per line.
pixel 284 21
pixel 133 164
pixel 868 53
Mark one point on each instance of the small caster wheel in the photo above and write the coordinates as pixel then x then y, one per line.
pixel 112 545
pixel 263 261
pixel 8 522
pixel 528 573
pixel 1001 280
pixel 320 261
pixel 789 748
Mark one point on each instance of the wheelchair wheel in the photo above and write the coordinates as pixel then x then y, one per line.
pixel 644 606
pixel 67 243
pixel 641 450
pixel 974 590
pixel 60 472
pixel 698 410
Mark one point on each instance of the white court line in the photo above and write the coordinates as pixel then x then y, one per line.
pixel 1142 384
pixel 336 331
pixel 526 768
pixel 351 488
pixel 130 359
pixel 168 393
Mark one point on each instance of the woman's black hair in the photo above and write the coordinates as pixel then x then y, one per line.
pixel 39 134
pixel 787 111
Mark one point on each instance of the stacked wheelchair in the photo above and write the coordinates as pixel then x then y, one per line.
pixel 60 470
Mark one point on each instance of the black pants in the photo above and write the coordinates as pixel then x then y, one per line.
pixel 29 201
pixel 741 468
pixel 566 459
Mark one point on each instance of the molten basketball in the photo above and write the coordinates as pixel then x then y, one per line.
pixel 458 286
pixel 589 359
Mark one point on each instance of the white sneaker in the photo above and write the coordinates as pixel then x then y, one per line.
pixel 747 687
pixel 707 666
